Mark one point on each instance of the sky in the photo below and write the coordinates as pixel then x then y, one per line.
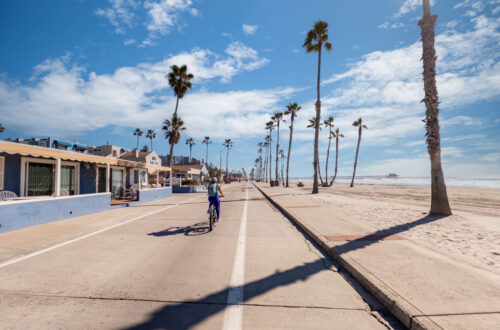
pixel 94 70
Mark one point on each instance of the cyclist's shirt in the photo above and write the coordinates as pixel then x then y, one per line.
pixel 213 190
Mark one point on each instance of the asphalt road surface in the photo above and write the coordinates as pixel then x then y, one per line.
pixel 162 269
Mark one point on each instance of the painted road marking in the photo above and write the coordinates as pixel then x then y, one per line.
pixel 92 234
pixel 234 312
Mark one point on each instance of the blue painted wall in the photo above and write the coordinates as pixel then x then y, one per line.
pixel 17 215
pixel 187 190
pixel 87 180
pixel 149 195
pixel 12 177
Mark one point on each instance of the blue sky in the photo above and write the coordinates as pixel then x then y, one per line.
pixel 93 71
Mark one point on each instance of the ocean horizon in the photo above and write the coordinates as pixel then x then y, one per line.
pixel 491 182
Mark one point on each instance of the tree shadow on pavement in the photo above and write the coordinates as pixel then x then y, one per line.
pixel 370 239
pixel 190 313
pixel 192 230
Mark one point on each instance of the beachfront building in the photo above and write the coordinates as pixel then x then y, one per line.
pixel 141 176
pixel 191 172
pixel 48 184
pixel 108 150
pixel 53 143
pixel 179 160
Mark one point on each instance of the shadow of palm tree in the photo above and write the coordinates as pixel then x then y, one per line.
pixel 370 239
pixel 190 313
pixel 192 230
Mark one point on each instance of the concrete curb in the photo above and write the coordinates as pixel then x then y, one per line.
pixel 402 309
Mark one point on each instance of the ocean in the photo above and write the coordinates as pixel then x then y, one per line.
pixel 414 181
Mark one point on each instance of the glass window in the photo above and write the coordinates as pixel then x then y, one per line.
pixel 40 179
pixel 68 178
pixel 101 183
pixel 116 183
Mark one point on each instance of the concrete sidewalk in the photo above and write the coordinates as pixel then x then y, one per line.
pixel 423 288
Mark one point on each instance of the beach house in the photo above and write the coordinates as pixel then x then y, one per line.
pixel 81 183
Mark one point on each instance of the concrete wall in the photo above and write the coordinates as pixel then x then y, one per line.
pixel 23 213
pixel 186 190
pixel 12 176
pixel 148 195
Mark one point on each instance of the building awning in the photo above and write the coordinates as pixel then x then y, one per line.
pixel 80 146
pixel 35 151
pixel 63 143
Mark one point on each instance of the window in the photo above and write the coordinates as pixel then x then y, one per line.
pixel 68 178
pixel 40 179
pixel 2 171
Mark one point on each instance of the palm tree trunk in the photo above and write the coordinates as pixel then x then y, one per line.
pixel 319 174
pixel 137 142
pixel 176 106
pixel 171 158
pixel 336 158
pixel 270 159
pixel 327 157
pixel 356 159
pixel 190 152
pixel 289 149
pixel 206 157
pixel 316 129
pixel 439 196
pixel 227 166
pixel 277 149
pixel 151 144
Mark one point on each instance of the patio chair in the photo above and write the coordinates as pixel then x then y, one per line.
pixel 131 192
pixel 5 195
pixel 62 192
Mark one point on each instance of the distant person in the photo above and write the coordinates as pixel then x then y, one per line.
pixel 214 192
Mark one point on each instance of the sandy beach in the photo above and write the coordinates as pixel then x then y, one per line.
pixel 471 234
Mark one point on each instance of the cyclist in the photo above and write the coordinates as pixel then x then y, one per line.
pixel 214 192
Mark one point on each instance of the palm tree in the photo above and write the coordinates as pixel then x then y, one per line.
pixel 206 141
pixel 260 144
pixel 173 129
pixel 359 124
pixel 277 118
pixel 2 128
pixel 328 123
pixel 282 156
pixel 266 165
pixel 292 110
pixel 227 144
pixel 270 126
pixel 151 135
pixel 316 38
pixel 190 142
pixel 179 80
pixel 439 196
pixel 138 133
pixel 336 134
pixel 317 171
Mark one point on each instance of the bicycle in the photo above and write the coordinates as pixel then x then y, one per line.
pixel 212 217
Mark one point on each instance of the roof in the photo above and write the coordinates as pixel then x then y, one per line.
pixel 132 154
pixel 35 151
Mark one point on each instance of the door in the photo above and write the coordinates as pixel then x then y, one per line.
pixel 116 183
pixel 68 178
pixel 101 183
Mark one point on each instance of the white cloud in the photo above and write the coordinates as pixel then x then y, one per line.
pixel 162 16
pixel 129 42
pixel 491 158
pixel 249 29
pixel 62 99
pixel 468 71
pixel 497 121
pixel 120 14
pixel 461 120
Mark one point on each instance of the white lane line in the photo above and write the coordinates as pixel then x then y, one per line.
pixel 92 234
pixel 234 311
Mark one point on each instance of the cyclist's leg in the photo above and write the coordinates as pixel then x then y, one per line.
pixel 210 202
pixel 217 206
